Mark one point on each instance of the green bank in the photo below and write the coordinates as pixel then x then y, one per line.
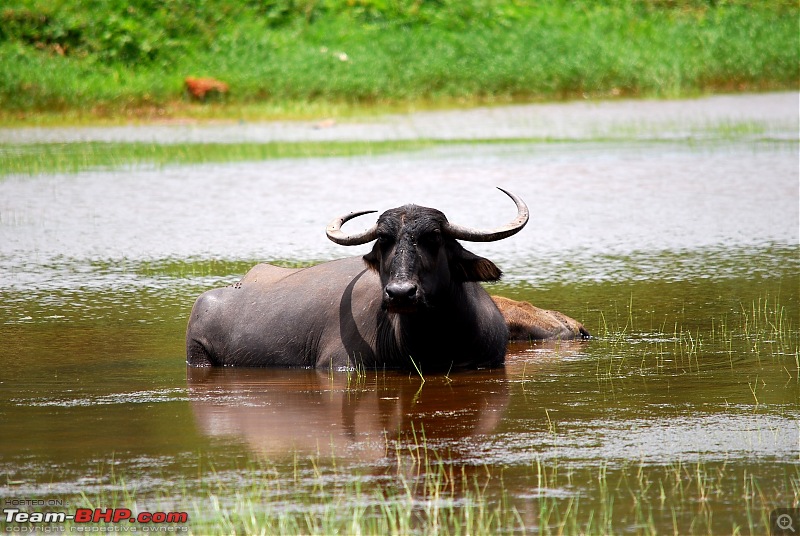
pixel 287 58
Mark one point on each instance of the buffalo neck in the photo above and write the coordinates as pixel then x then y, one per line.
pixel 436 338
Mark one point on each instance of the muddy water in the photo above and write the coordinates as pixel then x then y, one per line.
pixel 681 257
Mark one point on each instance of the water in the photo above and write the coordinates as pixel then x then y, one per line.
pixel 682 257
pixel 772 115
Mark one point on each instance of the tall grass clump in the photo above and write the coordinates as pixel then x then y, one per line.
pixel 131 57
pixel 763 329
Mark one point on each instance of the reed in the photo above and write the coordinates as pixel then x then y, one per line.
pixel 421 491
pixel 762 331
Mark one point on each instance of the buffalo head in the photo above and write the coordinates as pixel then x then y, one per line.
pixel 417 255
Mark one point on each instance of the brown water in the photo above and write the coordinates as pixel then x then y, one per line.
pixel 681 257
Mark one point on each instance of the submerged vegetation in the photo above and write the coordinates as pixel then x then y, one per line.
pixel 73 157
pixel 39 158
pixel 424 493
pixel 301 57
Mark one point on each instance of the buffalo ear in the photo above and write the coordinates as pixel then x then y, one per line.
pixel 466 266
pixel 372 261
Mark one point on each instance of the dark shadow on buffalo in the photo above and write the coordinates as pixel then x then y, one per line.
pixel 354 341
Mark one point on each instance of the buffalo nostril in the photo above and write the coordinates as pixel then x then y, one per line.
pixel 403 290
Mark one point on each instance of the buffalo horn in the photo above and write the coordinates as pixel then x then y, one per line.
pixel 479 235
pixel 334 231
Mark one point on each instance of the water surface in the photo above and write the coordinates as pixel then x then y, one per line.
pixel 682 258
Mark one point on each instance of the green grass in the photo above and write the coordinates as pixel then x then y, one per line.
pixel 72 157
pixel 129 59
pixel 33 159
pixel 760 329
pixel 421 492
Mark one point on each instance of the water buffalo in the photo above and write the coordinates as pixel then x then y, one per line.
pixel 413 301
pixel 528 322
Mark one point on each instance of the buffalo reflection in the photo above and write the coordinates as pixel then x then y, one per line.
pixel 288 411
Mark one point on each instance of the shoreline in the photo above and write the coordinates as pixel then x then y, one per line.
pixel 773 115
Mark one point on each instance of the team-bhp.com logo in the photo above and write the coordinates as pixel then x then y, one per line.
pixel 96 515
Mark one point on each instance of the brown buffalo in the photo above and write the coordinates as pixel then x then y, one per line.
pixel 527 322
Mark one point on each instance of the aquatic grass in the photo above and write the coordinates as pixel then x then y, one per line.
pixel 72 157
pixel 417 497
pixel 181 269
pixel 419 488
pixel 766 322
pixel 356 375
pixel 766 330
pixel 424 494
pixel 36 159
pixel 419 372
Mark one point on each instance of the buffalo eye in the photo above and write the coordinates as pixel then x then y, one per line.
pixel 385 239
pixel 431 240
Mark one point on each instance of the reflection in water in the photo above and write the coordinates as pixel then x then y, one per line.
pixel 281 412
